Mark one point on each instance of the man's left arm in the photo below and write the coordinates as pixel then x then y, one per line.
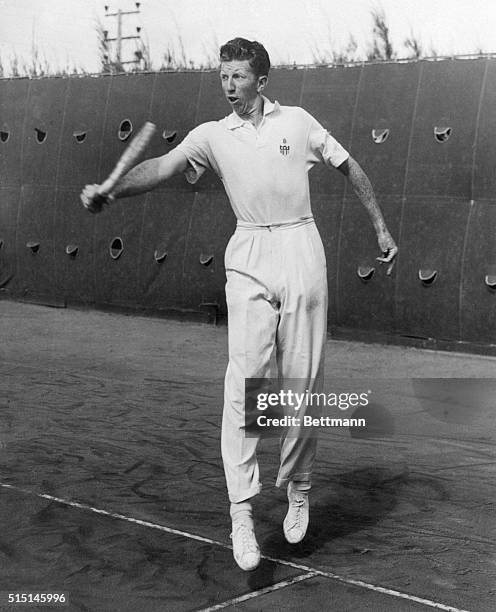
pixel 365 193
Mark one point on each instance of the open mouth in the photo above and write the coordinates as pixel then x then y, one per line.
pixel 232 99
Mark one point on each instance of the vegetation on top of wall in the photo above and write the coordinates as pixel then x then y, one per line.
pixel 380 48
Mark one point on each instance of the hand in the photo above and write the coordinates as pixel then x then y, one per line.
pixel 93 200
pixel 388 248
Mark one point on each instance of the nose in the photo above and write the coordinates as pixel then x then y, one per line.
pixel 230 84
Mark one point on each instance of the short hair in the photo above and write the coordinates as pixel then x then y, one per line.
pixel 251 50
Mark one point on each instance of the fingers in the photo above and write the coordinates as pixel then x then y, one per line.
pixel 91 199
pixel 389 257
pixel 388 260
pixel 390 268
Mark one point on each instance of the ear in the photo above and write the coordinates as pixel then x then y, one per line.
pixel 262 83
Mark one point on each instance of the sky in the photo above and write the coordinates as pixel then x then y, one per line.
pixel 293 31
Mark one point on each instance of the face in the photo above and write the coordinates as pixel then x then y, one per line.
pixel 240 85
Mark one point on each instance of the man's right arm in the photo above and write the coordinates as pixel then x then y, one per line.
pixel 142 178
pixel 150 173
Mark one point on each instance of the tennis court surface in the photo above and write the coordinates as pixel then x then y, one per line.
pixel 112 489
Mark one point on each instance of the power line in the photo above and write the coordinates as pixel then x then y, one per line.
pixel 119 39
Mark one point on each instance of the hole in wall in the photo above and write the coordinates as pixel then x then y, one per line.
pixel 79 136
pixel 442 134
pixel 365 273
pixel 490 280
pixel 41 135
pixel 125 129
pixel 160 255
pixel 169 135
pixel 4 135
pixel 206 259
pixel 116 247
pixel 380 135
pixel 33 246
pixel 427 276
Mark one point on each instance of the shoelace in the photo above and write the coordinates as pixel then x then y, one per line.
pixel 247 537
pixel 297 505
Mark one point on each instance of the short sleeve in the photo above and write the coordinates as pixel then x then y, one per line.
pixel 323 147
pixel 196 148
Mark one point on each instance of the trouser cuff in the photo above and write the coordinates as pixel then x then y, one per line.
pixel 305 477
pixel 239 496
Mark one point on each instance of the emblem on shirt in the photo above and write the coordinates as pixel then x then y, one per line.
pixel 284 147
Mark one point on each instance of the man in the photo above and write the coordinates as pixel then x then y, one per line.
pixel 275 265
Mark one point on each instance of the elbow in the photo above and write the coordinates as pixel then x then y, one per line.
pixel 170 164
pixel 357 177
pixel 355 170
pixel 351 169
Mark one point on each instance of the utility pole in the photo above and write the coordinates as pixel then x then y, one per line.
pixel 120 38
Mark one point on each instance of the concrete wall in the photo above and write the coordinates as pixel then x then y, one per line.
pixel 424 133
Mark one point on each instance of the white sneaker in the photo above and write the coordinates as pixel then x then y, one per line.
pixel 245 547
pixel 296 521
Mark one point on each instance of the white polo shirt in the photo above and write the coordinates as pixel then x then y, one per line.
pixel 264 169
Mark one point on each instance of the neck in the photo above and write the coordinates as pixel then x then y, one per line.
pixel 254 114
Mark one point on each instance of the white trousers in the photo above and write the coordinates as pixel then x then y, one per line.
pixel 277 299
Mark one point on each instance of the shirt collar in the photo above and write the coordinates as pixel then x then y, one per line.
pixel 234 121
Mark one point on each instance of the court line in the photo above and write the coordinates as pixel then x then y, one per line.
pixel 274 587
pixel 192 536
pixel 115 515
pixel 368 586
